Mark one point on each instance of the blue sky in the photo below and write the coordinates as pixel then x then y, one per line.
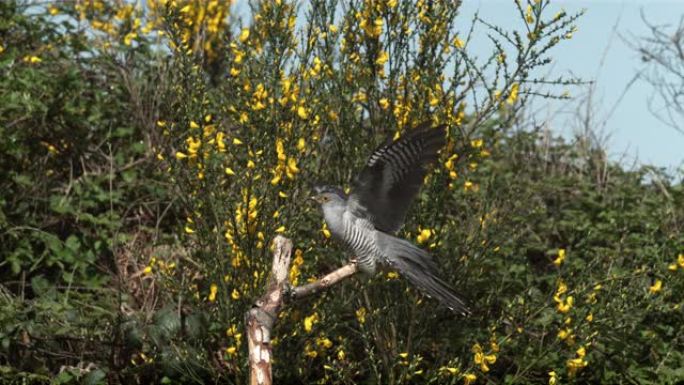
pixel 634 134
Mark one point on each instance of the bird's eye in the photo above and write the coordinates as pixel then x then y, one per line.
pixel 325 198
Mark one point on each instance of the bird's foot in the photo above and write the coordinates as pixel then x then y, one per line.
pixel 288 292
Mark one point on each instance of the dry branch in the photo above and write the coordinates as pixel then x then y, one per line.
pixel 336 276
pixel 260 319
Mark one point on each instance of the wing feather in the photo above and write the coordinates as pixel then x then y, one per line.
pixel 393 175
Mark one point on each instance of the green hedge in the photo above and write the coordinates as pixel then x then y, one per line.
pixel 150 153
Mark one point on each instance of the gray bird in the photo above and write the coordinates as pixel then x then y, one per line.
pixel 366 220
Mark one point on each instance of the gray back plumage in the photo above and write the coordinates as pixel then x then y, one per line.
pixel 392 177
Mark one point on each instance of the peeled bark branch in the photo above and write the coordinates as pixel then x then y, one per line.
pixel 263 314
pixel 336 276
pixel 260 319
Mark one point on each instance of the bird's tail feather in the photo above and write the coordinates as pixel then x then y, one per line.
pixel 417 266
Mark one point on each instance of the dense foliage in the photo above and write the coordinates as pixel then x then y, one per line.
pixel 149 154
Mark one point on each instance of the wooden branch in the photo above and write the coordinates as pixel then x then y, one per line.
pixel 260 319
pixel 336 276
pixel 263 314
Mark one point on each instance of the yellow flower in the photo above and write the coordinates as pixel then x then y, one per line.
pixel 302 113
pixel 449 164
pixel 301 144
pixel 220 144
pixel 280 229
pixel 423 236
pixel 32 59
pixel 553 378
pixel 325 231
pixel 529 16
pixel 377 27
pixel 309 351
pixel 680 260
pixel 237 142
pixel 581 352
pixel 565 306
pixel 332 28
pixel 656 287
pixel 476 143
pixel 128 39
pixel 231 350
pixel 361 315
pixel 53 10
pixel 575 364
pixel 513 96
pixel 229 171
pixel 468 378
pixel 382 58
pixel 310 321
pixel 189 230
pixel 340 355
pixel 291 168
pixel 434 100
pixel 561 257
pixel 562 288
pixel 212 292
pixel 148 270
pixel 231 331
pixel 494 346
pixel 589 317
pixel 244 35
pixel 235 295
pixel 449 370
pixel 384 103
pixel 360 97
pixel 458 43
pixel 324 342
pixel 470 186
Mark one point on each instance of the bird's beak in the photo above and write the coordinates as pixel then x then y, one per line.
pixel 313 198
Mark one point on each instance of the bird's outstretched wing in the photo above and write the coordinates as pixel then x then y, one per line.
pixel 384 189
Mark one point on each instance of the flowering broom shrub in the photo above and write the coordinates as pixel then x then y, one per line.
pixel 200 129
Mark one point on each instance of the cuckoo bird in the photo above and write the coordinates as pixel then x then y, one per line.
pixel 367 219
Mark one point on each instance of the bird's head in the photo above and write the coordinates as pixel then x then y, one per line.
pixel 329 195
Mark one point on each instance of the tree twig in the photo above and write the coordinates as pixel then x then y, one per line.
pixel 330 279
